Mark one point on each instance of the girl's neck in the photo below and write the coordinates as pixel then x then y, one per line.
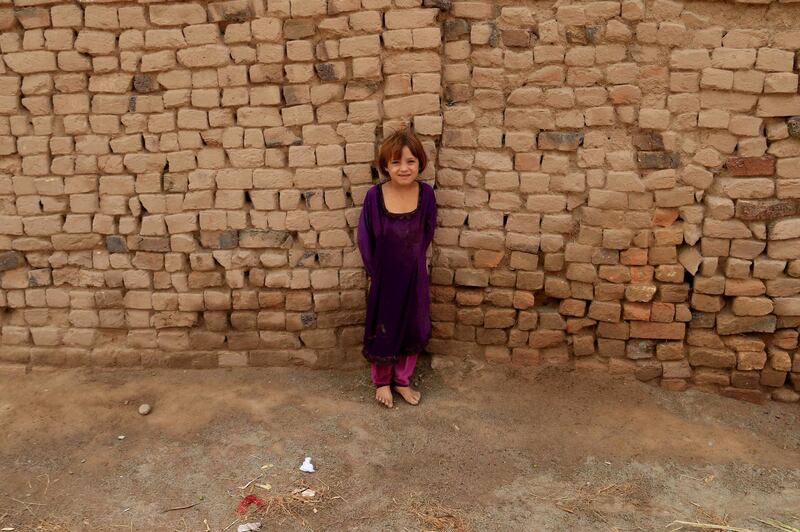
pixel 401 188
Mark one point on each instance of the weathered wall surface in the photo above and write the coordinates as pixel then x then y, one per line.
pixel 618 182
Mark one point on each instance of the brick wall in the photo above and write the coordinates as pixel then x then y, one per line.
pixel 618 182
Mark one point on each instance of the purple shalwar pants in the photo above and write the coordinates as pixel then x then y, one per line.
pixel 398 373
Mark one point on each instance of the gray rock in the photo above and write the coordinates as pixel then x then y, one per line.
pixel 145 409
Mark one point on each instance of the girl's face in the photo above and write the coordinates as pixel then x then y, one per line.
pixel 404 169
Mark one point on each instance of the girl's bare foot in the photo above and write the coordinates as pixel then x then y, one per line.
pixel 410 395
pixel 384 396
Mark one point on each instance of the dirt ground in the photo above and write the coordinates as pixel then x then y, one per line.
pixel 488 449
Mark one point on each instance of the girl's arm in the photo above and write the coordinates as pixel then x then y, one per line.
pixel 430 221
pixel 365 236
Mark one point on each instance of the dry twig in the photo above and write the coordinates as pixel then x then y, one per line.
pixel 179 508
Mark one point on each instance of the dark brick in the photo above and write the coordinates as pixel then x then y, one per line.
pixel 10 260
pixel 325 71
pixel 648 370
pixel 751 166
pixel 455 28
pixel 516 37
pixel 765 209
pixel 444 5
pixel 260 238
pixel 592 33
pixel 494 38
pixel 298 29
pixel 658 160
pixel 636 349
pixel 648 141
pixel 560 140
pixel 143 83
pixel 730 324
pixel 457 92
pixel 132 103
pixel 116 244
pixel 793 124
pixel 753 396
pixel 745 379
pixel 266 73
pixel 219 239
pixel 149 243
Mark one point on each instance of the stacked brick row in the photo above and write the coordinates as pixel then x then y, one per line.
pixel 617 185
pixel 180 182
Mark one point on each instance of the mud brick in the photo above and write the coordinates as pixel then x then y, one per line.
pixel 116 244
pixel 670 351
pixel 712 358
pixel 785 339
pixel 560 140
pixel 763 210
pixel 676 369
pixel 298 28
pixel 753 396
pixel 546 338
pixel 444 5
pixel 745 379
pixel 605 311
pixel 149 243
pixel 710 376
pixel 10 260
pixel 617 331
pixel 515 38
pixel 455 29
pixel 772 378
pixel 647 370
pixel 660 160
pixel 583 344
pixel 648 141
pixel 638 349
pixel 658 331
pixel 219 239
pixel 259 238
pixel 729 324
pixel 751 166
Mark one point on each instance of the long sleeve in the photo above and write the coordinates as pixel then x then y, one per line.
pixel 366 236
pixel 430 220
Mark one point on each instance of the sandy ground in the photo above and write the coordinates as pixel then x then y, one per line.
pixel 488 449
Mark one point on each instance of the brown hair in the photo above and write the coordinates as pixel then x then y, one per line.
pixel 393 145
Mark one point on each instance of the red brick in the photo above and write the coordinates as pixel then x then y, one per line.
pixel 657 331
pixel 751 166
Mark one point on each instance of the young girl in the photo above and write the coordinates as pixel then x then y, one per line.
pixel 396 227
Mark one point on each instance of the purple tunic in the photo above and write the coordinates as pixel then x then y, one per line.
pixel 393 249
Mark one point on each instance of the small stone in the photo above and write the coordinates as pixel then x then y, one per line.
pixel 121 437
pixel 145 409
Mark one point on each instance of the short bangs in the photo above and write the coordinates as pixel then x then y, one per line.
pixel 392 147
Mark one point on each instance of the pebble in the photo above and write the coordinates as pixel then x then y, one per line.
pixel 145 409
pixel 121 437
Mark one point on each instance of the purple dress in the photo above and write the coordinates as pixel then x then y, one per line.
pixel 393 246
